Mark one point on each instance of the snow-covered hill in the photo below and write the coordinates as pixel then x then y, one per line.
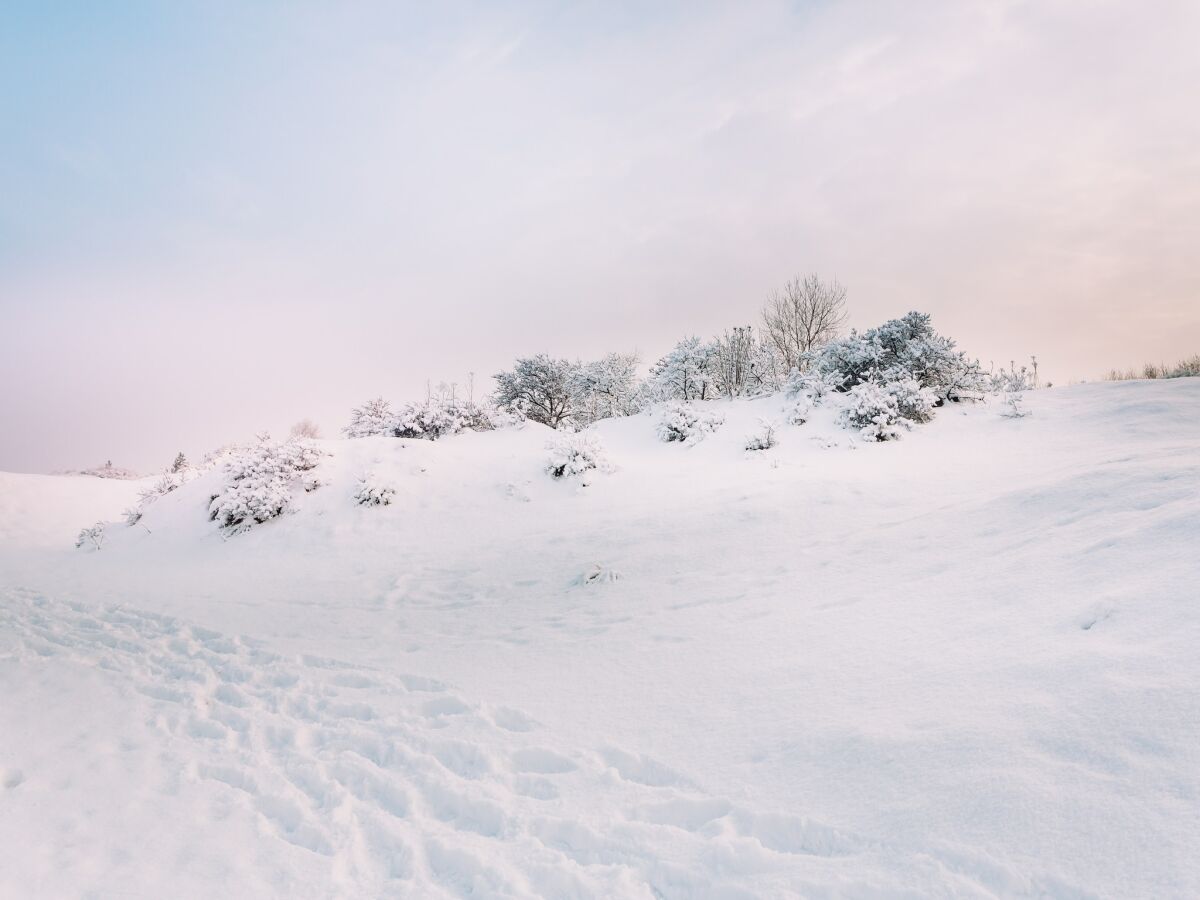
pixel 961 664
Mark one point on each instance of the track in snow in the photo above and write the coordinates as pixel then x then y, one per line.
pixel 399 784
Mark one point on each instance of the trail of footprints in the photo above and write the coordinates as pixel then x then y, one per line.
pixel 409 789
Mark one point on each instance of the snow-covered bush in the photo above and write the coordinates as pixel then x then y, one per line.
pixel 1003 382
pixel 1185 368
pixel 915 403
pixel 573 453
pixel 372 418
pixel 1012 408
pixel 687 424
pixel 214 459
pixel 93 536
pixel 873 411
pixel 903 348
pixel 508 417
pixel 812 384
pixel 799 410
pixel 108 470
pixel 261 481
pixel 439 416
pixel 764 438
pixel 169 482
pixel 374 491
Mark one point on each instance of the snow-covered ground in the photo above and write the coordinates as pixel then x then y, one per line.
pixel 962 664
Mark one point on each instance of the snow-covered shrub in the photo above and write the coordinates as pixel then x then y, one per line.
pixel 812 384
pixel 1003 382
pixel 1012 408
pixel 305 429
pixel 372 418
pixel 903 348
pixel 764 438
pixel 93 536
pixel 1185 368
pixel 882 411
pixel 108 470
pixel 169 481
pixel 875 412
pixel 573 453
pixel 683 422
pixel 214 459
pixel 799 410
pixel 374 491
pixel 260 482
pixel 915 403
pixel 512 416
pixel 439 416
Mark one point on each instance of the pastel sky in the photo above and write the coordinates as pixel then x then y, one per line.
pixel 220 217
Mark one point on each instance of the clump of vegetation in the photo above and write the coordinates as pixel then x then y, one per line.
pixel 1185 368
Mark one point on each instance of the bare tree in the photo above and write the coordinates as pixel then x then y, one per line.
pixel 306 428
pixel 804 315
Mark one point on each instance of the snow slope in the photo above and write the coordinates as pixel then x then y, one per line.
pixel 962 664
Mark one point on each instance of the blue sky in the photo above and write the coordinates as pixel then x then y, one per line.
pixel 221 217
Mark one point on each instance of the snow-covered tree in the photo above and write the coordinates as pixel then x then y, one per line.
pixel 740 364
pixel 372 418
pixel 606 388
pixel 684 373
pixel 542 388
pixel 180 463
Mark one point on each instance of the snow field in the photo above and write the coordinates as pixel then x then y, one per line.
pixel 960 664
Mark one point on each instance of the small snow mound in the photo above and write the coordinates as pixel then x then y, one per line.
pixel 598 574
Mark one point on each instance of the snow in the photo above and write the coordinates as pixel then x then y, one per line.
pixel 962 663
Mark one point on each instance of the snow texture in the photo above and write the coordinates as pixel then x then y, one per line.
pixel 958 665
